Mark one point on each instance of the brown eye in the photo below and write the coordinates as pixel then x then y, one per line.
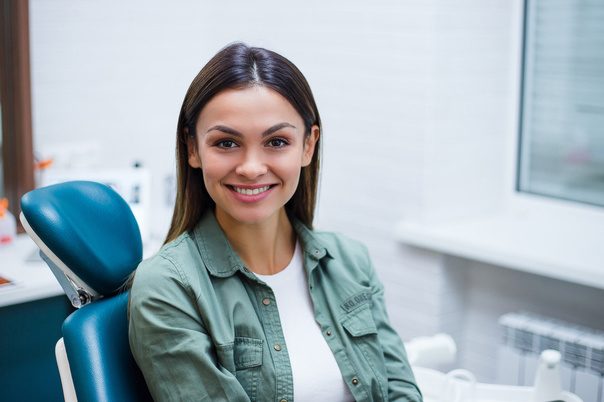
pixel 277 143
pixel 226 144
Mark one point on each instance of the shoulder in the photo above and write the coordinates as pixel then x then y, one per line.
pixel 336 244
pixel 168 264
pixel 342 248
pixel 340 244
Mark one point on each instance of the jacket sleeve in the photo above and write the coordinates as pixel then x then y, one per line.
pixel 401 382
pixel 169 341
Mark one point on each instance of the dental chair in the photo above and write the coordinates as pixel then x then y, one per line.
pixel 90 240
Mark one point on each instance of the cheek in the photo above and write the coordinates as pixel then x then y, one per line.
pixel 289 171
pixel 213 167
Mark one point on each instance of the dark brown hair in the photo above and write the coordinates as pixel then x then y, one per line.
pixel 240 66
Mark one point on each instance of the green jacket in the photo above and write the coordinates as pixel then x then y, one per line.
pixel 205 328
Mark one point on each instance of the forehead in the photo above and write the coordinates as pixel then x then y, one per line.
pixel 252 107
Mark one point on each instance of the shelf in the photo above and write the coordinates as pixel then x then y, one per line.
pixel 561 247
pixel 32 280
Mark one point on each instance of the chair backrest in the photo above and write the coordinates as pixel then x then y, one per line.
pixel 87 233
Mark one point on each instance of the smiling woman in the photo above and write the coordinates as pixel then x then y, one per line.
pixel 253 144
pixel 245 301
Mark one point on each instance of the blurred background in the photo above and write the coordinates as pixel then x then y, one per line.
pixel 463 143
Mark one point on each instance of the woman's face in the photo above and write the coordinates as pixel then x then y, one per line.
pixel 251 148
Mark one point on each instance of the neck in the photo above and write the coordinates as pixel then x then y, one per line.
pixel 265 248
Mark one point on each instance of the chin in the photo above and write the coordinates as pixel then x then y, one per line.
pixel 252 217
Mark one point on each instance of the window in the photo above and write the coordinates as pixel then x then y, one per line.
pixel 561 151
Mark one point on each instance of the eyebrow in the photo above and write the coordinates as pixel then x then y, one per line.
pixel 236 133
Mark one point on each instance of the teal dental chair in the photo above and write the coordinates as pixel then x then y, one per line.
pixel 90 240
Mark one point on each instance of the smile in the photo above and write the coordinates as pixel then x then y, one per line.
pixel 251 194
pixel 250 191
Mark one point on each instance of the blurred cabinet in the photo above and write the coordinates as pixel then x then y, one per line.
pixel 28 333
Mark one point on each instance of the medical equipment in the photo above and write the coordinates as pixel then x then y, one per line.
pixel 462 386
pixel 90 239
pixel 133 184
pixel 526 335
pixel 547 380
pixel 431 351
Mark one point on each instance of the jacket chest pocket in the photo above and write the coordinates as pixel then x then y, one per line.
pixel 360 323
pixel 241 354
pixel 243 358
pixel 367 350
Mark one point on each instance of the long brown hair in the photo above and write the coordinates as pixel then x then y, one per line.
pixel 240 66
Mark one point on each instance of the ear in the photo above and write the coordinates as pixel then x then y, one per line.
pixel 194 159
pixel 309 145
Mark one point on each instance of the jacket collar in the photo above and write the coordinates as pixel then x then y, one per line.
pixel 222 261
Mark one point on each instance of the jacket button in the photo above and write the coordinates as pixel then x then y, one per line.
pixel 328 333
pixel 277 347
pixel 283 400
pixel 355 381
pixel 266 301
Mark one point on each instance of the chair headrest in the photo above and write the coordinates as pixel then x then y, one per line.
pixel 90 228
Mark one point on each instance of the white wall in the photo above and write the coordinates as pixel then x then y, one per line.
pixel 415 97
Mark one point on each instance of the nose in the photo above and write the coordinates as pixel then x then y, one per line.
pixel 252 166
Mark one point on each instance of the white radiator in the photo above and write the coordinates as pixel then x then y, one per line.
pixel 525 335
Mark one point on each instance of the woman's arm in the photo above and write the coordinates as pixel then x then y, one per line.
pixel 169 341
pixel 401 382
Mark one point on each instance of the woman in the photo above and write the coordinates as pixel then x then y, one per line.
pixel 245 301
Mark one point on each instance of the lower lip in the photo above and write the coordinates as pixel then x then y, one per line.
pixel 251 197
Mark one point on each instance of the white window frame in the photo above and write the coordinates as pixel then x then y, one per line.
pixel 517 200
pixel 532 233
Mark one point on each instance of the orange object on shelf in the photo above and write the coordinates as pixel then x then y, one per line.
pixel 43 164
pixel 3 206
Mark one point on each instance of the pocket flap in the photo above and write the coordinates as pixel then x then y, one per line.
pixel 248 352
pixel 360 323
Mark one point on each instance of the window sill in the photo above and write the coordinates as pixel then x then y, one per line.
pixel 556 243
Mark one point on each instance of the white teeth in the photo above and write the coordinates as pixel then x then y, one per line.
pixel 249 191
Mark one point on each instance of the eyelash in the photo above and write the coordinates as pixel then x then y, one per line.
pixel 220 144
pixel 233 144
pixel 284 142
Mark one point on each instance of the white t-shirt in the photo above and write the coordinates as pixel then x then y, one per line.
pixel 314 369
